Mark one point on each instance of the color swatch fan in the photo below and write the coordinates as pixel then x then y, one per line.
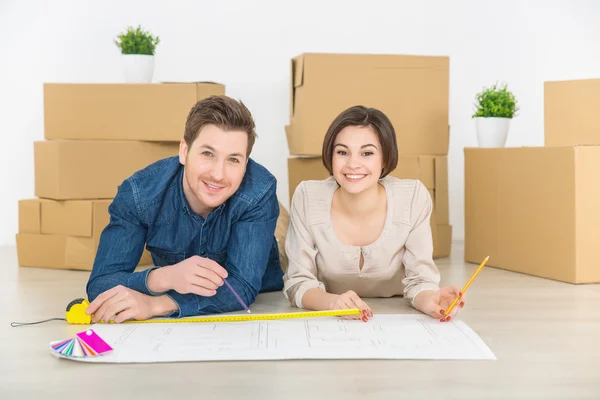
pixel 84 344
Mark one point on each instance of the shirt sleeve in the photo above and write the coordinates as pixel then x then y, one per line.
pixel 120 248
pixel 248 254
pixel 301 251
pixel 421 271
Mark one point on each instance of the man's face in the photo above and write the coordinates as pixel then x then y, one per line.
pixel 215 165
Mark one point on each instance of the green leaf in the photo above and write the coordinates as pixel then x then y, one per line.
pixel 495 102
pixel 137 41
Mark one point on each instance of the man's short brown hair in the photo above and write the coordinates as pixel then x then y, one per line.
pixel 224 112
pixel 363 116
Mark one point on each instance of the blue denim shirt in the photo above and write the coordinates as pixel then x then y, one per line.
pixel 150 209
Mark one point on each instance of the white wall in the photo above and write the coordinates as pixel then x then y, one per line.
pixel 247 46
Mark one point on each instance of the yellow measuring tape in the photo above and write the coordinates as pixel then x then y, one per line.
pixel 76 315
pixel 252 317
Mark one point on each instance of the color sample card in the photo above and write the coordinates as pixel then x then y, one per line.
pixel 84 344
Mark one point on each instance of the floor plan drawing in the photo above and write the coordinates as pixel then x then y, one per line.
pixel 387 336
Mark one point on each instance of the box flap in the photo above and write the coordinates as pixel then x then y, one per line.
pixel 296 79
pixel 298 70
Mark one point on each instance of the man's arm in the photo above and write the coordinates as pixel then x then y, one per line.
pixel 120 249
pixel 247 258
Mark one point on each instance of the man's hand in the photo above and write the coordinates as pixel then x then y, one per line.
pixel 197 275
pixel 122 303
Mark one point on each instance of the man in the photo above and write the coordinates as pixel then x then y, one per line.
pixel 205 215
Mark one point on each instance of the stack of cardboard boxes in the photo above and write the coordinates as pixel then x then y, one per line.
pixel 411 90
pixel 96 135
pixel 536 210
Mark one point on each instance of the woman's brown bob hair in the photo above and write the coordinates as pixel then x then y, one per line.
pixel 363 116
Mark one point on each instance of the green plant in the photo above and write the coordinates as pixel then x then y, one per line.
pixel 496 102
pixel 137 41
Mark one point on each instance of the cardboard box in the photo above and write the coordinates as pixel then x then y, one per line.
pixel 30 216
pixel 441 191
pixel 304 169
pixel 55 251
pixel 60 252
pixel 534 210
pixel 432 171
pixel 62 234
pixel 81 169
pixel 440 233
pixel 149 112
pixel 413 91
pixel 442 240
pixel 83 218
pixel 571 112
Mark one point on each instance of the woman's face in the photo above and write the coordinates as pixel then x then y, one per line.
pixel 357 158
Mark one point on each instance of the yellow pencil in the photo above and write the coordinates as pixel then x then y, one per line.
pixel 467 284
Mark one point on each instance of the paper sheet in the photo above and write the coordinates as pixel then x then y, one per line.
pixel 386 336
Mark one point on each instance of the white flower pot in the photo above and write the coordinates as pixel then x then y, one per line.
pixel 138 68
pixel 491 131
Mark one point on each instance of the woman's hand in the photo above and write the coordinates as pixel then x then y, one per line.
pixel 348 300
pixel 436 303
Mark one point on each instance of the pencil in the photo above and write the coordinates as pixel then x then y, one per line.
pixel 467 284
pixel 236 296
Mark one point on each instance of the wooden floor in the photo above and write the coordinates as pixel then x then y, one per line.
pixel 545 334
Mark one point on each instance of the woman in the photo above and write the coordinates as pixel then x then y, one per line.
pixel 362 233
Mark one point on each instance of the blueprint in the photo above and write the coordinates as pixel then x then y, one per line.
pixel 385 336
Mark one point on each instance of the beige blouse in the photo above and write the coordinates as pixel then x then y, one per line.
pixel 399 262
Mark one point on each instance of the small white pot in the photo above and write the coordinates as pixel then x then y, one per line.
pixel 138 68
pixel 491 131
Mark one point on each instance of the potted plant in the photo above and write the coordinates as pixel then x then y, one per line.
pixel 137 51
pixel 495 107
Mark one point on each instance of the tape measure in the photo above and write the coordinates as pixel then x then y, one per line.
pixel 76 315
pixel 76 312
pixel 251 317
